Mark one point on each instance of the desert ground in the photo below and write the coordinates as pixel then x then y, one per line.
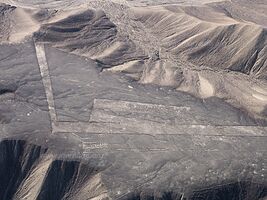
pixel 133 100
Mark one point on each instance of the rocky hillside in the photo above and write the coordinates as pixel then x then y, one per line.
pixel 29 171
pixel 133 100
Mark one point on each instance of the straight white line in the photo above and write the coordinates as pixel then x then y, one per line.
pixel 101 127
pixel 44 70
pixel 136 129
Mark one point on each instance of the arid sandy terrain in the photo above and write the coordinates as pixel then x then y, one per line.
pixel 133 100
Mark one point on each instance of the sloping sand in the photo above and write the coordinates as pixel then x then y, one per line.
pixel 205 88
pixel 260 94
pixel 23 25
pixel 31 187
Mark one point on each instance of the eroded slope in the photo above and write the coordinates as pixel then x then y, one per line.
pixel 94 134
pixel 207 37
pixel 90 34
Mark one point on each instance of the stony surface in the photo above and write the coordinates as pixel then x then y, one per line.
pixel 71 128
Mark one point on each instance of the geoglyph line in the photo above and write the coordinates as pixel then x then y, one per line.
pixel 135 126
pixel 44 70
pixel 100 127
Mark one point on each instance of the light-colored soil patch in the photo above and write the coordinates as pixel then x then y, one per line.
pixel 114 47
pixel 205 88
pixel 23 26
